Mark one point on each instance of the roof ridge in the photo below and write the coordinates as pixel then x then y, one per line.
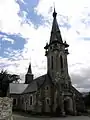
pixel 40 76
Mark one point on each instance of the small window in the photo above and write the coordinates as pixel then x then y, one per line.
pixel 47 88
pixel 62 85
pixel 55 44
pixel 22 100
pixel 61 61
pixel 48 62
pixel 31 100
pixel 51 47
pixel 69 85
pixel 14 102
pixel 51 62
pixel 57 67
pixel 48 101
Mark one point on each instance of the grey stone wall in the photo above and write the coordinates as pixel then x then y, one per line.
pixel 18 102
pixel 6 108
pixel 46 98
pixel 25 102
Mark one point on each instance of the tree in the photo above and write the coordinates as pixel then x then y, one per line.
pixel 5 80
pixel 87 100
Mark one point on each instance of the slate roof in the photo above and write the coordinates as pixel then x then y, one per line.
pixel 17 88
pixel 76 91
pixel 20 88
pixel 32 87
pixel 37 83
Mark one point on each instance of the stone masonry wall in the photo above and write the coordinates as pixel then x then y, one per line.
pixel 6 108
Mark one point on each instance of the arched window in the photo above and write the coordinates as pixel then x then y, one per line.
pixel 57 62
pixel 14 101
pixel 51 62
pixel 48 101
pixel 48 62
pixel 30 100
pixel 61 62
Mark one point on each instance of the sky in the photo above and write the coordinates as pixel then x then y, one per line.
pixel 25 27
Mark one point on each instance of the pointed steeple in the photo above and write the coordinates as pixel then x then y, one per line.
pixel 29 69
pixel 55 32
pixel 29 75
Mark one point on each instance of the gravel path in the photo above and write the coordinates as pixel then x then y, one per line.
pixel 19 117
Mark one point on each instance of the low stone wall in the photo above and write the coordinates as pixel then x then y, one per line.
pixel 6 108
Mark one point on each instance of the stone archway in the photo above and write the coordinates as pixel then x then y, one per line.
pixel 68 105
pixel 58 111
pixel 66 102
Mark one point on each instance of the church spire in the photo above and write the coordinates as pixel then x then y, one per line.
pixel 29 75
pixel 29 69
pixel 55 32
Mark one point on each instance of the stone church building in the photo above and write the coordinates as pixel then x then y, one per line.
pixel 52 92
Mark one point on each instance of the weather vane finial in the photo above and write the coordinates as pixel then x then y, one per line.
pixel 54 13
pixel 54 4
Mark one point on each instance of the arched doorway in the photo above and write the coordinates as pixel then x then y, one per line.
pixel 58 111
pixel 68 106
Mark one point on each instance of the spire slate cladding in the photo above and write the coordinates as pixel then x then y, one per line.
pixel 55 32
pixel 29 75
pixel 29 69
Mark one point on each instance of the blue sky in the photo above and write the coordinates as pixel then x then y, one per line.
pixel 28 7
pixel 25 27
pixel 18 40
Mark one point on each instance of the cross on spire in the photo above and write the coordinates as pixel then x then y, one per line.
pixel 54 13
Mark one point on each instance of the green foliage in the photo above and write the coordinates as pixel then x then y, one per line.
pixel 87 100
pixel 5 79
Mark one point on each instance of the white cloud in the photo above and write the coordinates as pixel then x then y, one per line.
pixel 8 39
pixel 9 19
pixel 70 12
pixel 76 11
pixel 69 7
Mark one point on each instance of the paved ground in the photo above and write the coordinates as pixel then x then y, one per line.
pixel 19 117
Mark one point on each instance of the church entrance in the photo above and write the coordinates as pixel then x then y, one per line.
pixel 68 106
pixel 58 111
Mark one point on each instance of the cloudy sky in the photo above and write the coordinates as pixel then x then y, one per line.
pixel 25 27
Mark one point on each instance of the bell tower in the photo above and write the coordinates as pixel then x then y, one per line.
pixel 29 75
pixel 56 52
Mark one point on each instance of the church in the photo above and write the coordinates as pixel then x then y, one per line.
pixel 52 92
